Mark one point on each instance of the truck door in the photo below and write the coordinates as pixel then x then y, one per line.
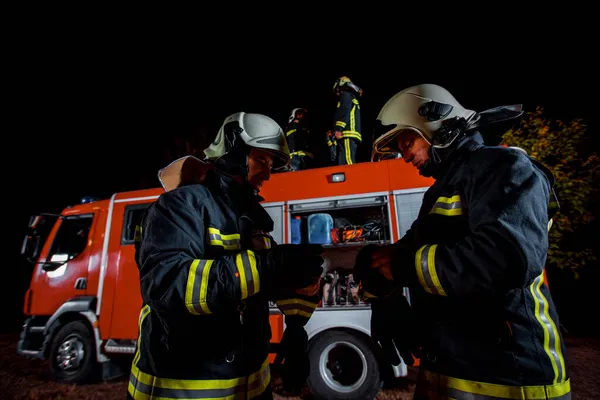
pixel 63 271
pixel 127 298
pixel 408 204
pixel 275 210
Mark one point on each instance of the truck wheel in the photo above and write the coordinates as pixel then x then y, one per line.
pixel 343 366
pixel 72 353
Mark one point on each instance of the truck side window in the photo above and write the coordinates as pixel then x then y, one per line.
pixel 72 236
pixel 132 216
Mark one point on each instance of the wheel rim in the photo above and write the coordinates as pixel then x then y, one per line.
pixel 70 353
pixel 343 367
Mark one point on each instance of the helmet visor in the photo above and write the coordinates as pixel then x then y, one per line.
pixel 386 146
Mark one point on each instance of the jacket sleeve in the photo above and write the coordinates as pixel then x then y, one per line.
pixel 175 274
pixel 342 112
pixel 297 308
pixel 507 200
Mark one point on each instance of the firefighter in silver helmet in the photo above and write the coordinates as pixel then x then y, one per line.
pixel 473 259
pixel 208 269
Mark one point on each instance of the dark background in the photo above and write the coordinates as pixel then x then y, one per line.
pixel 96 114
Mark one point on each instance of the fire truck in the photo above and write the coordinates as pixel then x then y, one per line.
pixel 84 298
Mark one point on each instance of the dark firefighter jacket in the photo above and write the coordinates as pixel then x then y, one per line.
pixel 204 325
pixel 486 318
pixel 347 116
pixel 297 139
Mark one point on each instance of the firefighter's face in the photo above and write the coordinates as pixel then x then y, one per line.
pixel 414 148
pixel 260 163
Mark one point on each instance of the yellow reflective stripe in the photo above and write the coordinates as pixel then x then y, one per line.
pixel 448 206
pixel 297 307
pixel 248 273
pixel 446 386
pixel 425 265
pixel 448 200
pixel 302 153
pixel 353 118
pixel 347 151
pixel 352 134
pixel 145 386
pixel 143 314
pixel 331 143
pixel 228 242
pixel 138 233
pixel 288 133
pixel 267 242
pixel 340 123
pixel 552 345
pixel 259 381
pixel 196 287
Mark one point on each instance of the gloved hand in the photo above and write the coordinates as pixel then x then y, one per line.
pixel 294 356
pixel 373 283
pixel 393 323
pixel 333 152
pixel 294 266
pixel 332 145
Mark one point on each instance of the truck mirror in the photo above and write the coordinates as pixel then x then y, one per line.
pixel 30 248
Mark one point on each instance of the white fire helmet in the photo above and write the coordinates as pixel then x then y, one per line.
pixel 421 108
pixel 254 130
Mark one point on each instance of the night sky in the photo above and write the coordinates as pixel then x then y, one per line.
pixel 92 120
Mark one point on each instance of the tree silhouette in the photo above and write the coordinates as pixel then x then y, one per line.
pixel 564 148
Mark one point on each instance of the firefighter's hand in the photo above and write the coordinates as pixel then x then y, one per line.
pixel 393 327
pixel 373 283
pixel 381 261
pixel 295 266
pixel 312 289
pixel 338 135
pixel 293 357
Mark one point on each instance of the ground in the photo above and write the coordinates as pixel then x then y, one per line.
pixel 27 379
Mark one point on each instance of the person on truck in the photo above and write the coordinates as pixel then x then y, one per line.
pixel 297 133
pixel 474 257
pixel 346 132
pixel 208 269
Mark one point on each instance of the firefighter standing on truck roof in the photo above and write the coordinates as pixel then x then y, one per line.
pixel 473 259
pixel 344 138
pixel 297 133
pixel 208 269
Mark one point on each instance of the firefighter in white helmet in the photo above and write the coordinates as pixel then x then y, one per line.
pixel 486 323
pixel 208 269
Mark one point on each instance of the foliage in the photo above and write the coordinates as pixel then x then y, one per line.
pixel 563 147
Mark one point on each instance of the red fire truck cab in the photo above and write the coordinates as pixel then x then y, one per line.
pixel 84 298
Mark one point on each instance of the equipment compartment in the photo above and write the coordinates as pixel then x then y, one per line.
pixel 357 222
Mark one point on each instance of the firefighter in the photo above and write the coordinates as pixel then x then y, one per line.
pixel 208 269
pixel 473 259
pixel 297 139
pixel 345 135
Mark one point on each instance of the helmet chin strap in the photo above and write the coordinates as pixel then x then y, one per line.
pixel 445 142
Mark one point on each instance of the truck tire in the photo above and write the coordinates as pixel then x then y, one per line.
pixel 73 354
pixel 343 366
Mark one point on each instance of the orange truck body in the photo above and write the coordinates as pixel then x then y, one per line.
pixel 100 284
